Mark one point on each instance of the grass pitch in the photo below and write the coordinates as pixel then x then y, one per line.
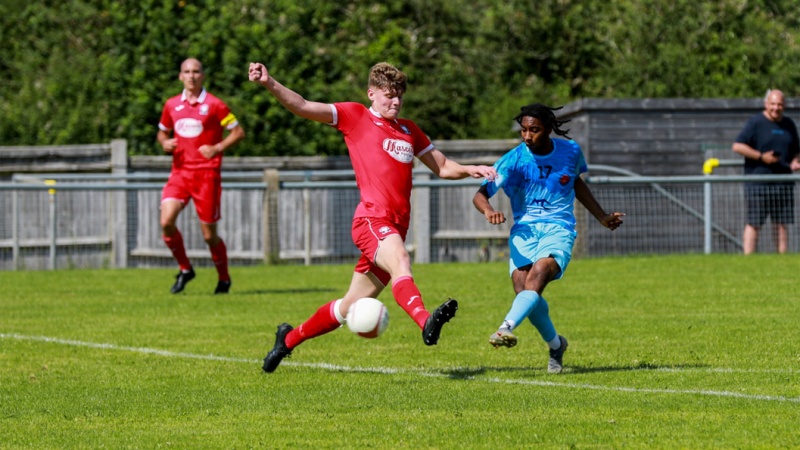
pixel 685 351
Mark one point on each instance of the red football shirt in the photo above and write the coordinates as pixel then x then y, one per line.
pixel 195 125
pixel 382 153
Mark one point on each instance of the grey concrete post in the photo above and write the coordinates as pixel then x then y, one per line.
pixel 119 206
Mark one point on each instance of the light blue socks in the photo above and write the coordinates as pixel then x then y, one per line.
pixel 540 318
pixel 524 303
pixel 533 306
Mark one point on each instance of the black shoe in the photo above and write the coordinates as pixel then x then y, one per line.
pixel 181 279
pixel 279 351
pixel 433 326
pixel 222 287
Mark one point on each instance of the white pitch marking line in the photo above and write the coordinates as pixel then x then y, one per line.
pixel 145 350
pixel 390 371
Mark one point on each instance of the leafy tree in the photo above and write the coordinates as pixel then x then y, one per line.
pixel 94 70
pixel 684 48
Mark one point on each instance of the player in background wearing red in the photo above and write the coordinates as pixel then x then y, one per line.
pixel 191 130
pixel 382 147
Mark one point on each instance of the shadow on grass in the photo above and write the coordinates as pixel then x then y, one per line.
pixel 286 291
pixel 641 367
pixel 465 373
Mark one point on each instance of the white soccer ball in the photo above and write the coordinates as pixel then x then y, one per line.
pixel 367 317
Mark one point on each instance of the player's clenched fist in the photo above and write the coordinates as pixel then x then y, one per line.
pixel 258 73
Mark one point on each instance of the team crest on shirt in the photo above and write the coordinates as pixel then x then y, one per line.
pixel 188 127
pixel 405 129
pixel 204 110
pixel 400 150
pixel 384 230
pixel 564 180
pixel 179 108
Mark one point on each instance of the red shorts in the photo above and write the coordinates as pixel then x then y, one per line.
pixel 368 232
pixel 202 186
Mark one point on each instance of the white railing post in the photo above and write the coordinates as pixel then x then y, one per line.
pixel 707 217
pixel 53 228
pixel 15 229
pixel 708 169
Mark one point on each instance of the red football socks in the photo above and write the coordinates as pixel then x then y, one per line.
pixel 175 244
pixel 407 295
pixel 321 322
pixel 219 254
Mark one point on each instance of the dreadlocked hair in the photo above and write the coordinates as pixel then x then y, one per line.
pixel 546 115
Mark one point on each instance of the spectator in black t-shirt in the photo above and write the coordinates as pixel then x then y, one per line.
pixel 769 144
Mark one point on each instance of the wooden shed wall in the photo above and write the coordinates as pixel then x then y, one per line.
pixel 659 136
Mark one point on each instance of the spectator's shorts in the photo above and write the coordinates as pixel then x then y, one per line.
pixel 775 201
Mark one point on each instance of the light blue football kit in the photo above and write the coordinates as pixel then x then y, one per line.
pixel 542 193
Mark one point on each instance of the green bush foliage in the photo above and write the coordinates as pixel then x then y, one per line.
pixel 89 71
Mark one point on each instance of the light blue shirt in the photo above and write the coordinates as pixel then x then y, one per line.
pixel 541 187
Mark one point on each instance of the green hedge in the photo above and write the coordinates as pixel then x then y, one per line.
pixel 84 71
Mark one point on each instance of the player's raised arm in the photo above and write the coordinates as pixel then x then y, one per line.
pixel 291 100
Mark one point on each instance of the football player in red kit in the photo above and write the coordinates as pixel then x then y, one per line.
pixel 191 129
pixel 382 148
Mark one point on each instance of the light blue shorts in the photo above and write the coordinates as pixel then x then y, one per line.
pixel 530 243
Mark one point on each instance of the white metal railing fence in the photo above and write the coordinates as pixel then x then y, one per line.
pixel 56 220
